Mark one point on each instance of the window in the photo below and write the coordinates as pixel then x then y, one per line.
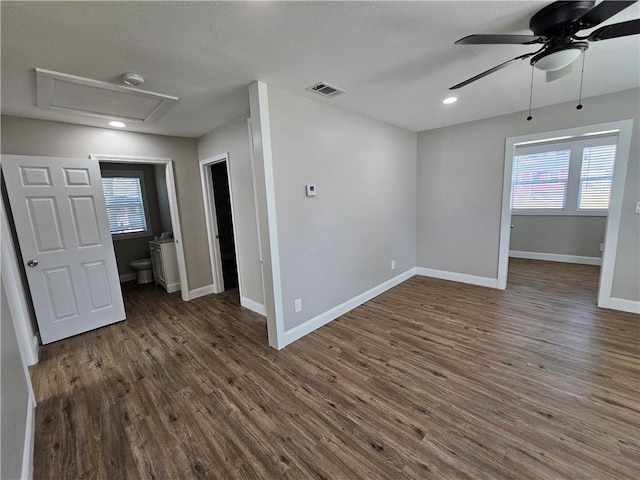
pixel 596 176
pixel 126 208
pixel 540 180
pixel 569 177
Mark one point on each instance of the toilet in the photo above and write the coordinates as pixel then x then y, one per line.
pixel 144 270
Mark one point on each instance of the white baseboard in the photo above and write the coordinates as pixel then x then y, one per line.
pixel 200 292
pixel 29 438
pixel 622 304
pixel 173 287
pixel 36 349
pixel 556 257
pixel 458 277
pixel 253 306
pixel 127 277
pixel 324 318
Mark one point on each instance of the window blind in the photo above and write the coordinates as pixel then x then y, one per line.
pixel 595 177
pixel 125 207
pixel 540 180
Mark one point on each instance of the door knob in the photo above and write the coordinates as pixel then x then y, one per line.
pixel 32 263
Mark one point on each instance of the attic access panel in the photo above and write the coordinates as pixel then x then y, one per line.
pixel 85 96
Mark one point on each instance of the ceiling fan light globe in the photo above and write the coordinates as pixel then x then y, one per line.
pixel 558 59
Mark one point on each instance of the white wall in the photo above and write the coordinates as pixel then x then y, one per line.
pixel 460 171
pixel 233 138
pixel 339 244
pixel 24 136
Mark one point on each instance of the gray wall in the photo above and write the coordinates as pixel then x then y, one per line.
pixel 340 243
pixel 163 198
pixel 460 170
pixel 14 396
pixel 233 138
pixel 23 136
pixel 129 249
pixel 559 234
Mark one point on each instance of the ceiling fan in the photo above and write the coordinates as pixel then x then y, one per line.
pixel 555 27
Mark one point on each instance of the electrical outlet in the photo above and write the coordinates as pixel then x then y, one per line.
pixel 602 247
pixel 393 264
pixel 637 207
pixel 297 304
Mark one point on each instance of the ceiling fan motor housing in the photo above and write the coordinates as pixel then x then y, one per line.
pixel 558 22
pixel 560 18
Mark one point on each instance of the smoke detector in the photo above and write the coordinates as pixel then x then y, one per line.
pixel 326 90
pixel 132 79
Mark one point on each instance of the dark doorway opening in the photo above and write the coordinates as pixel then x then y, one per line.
pixel 224 220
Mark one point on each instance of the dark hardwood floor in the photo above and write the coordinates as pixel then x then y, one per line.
pixel 432 379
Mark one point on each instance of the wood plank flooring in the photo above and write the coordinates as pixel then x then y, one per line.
pixel 430 380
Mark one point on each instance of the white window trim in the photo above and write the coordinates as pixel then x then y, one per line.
pixel 570 208
pixel 148 233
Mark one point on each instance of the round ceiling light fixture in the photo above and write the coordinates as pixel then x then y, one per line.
pixel 132 79
pixel 450 100
pixel 117 124
pixel 559 57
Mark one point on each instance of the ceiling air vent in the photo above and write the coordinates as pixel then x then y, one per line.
pixel 326 90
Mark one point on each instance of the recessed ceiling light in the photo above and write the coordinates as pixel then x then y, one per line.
pixel 449 100
pixel 115 123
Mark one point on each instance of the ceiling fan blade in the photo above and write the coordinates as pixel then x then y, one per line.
pixel 490 71
pixel 603 11
pixel 553 75
pixel 622 29
pixel 500 39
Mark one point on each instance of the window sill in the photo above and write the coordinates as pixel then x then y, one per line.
pixel 560 213
pixel 128 236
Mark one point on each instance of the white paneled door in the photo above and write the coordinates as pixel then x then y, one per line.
pixel 61 221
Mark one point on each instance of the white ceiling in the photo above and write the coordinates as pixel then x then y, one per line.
pixel 396 60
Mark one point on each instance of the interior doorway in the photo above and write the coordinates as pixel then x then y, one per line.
pixel 164 174
pixel 221 223
pixel 224 224
pixel 623 130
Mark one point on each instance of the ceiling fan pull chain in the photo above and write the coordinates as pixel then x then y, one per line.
pixel 529 117
pixel 579 106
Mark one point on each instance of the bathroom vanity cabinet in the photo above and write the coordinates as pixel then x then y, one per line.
pixel 165 264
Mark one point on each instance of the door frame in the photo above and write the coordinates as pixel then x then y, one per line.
pixel 252 158
pixel 624 128
pixel 173 206
pixel 212 223
pixel 21 313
